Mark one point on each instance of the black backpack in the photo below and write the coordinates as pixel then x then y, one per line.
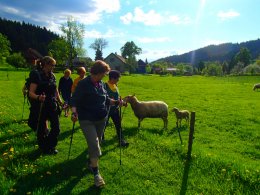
pixel 27 84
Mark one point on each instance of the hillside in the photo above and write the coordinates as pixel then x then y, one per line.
pixel 222 52
pixel 23 36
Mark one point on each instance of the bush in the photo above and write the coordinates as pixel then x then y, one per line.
pixel 252 69
pixel 16 60
pixel 212 70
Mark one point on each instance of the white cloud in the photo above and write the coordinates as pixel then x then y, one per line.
pixel 152 55
pixel 14 11
pixel 153 40
pixel 107 6
pixel 178 20
pixel 127 19
pixel 96 34
pixel 150 18
pixel 227 15
pixel 152 2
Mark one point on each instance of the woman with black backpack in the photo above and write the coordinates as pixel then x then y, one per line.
pixel 45 100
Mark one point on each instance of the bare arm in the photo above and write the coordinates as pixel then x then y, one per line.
pixel 33 95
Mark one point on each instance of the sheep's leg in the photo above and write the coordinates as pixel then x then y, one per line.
pixel 165 123
pixel 139 122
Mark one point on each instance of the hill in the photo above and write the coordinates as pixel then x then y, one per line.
pixel 222 52
pixel 23 36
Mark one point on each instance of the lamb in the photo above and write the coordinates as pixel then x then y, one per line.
pixel 181 114
pixel 148 109
pixel 256 86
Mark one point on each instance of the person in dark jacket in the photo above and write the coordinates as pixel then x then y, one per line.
pixel 89 105
pixel 65 85
pixel 113 92
pixel 45 97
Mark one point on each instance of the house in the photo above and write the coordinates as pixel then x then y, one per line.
pixel 141 66
pixel 32 56
pixel 116 62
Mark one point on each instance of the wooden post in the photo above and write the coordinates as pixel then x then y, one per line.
pixel 192 123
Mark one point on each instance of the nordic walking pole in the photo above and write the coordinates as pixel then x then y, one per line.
pixel 24 97
pixel 120 134
pixel 39 117
pixel 72 132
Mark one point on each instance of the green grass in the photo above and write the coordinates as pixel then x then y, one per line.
pixel 225 154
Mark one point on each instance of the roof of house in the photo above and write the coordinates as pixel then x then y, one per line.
pixel 141 63
pixel 32 54
pixel 117 56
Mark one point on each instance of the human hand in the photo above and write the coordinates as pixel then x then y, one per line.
pixel 41 97
pixel 74 117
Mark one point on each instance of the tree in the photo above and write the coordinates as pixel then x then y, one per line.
pixel 74 32
pixel 212 69
pixel 59 49
pixel 130 50
pixel 201 66
pixel 98 46
pixel 131 61
pixel 243 56
pixel 225 68
pixel 99 55
pixel 4 46
pixel 16 60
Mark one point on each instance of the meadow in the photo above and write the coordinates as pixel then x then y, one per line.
pixel 225 155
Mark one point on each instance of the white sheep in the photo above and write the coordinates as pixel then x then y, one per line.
pixel 181 114
pixel 148 109
pixel 256 86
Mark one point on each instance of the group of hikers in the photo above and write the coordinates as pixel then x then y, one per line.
pixel 91 101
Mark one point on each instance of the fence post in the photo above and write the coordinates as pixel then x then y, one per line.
pixel 192 123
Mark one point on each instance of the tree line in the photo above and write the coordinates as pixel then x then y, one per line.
pixel 18 37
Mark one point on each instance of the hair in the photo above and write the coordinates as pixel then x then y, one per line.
pixel 67 71
pixel 47 60
pixel 114 74
pixel 81 70
pixel 99 67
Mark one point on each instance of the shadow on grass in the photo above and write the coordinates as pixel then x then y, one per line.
pixel 67 133
pixel 60 178
pixel 6 124
pixel 185 177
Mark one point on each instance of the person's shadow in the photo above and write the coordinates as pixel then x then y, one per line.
pixel 69 171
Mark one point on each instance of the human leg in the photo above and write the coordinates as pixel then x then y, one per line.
pixel 117 122
pixel 93 132
pixel 52 138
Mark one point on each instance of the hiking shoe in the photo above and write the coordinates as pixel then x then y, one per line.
pixel 51 151
pixel 124 143
pixel 98 180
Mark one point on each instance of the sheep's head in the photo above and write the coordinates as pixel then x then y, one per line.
pixel 175 109
pixel 129 99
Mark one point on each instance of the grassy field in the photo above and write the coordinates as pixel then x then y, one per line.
pixel 225 154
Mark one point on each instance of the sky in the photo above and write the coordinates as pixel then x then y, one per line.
pixel 161 28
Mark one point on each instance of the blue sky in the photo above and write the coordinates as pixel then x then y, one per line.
pixel 160 27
